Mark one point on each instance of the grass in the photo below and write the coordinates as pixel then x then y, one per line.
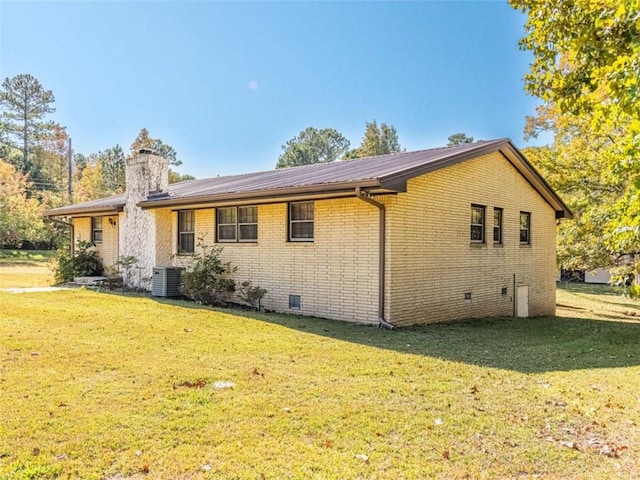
pixel 98 386
pixel 25 268
pixel 28 257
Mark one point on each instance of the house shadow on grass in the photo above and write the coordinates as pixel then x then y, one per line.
pixel 533 345
pixel 527 345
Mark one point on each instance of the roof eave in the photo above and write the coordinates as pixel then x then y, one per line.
pixel 308 191
pixel 84 211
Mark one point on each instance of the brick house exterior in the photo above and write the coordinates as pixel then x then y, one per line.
pixel 410 238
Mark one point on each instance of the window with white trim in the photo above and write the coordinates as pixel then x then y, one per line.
pixel 477 223
pixel 301 219
pixel 237 224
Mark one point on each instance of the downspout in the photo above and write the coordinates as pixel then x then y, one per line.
pixel 71 229
pixel 515 298
pixel 381 255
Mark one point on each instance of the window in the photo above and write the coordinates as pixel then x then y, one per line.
pixel 497 226
pixel 477 224
pixel 96 229
pixel 301 222
pixel 525 228
pixel 248 224
pixel 186 228
pixel 237 224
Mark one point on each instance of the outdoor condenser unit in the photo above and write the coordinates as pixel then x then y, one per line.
pixel 166 282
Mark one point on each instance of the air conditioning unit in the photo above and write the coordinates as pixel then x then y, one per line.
pixel 166 282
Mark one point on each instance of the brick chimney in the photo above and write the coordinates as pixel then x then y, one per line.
pixel 145 174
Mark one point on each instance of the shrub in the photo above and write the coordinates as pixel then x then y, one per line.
pixel 207 282
pixel 62 266
pixel 113 278
pixel 632 291
pixel 87 262
pixel 84 263
pixel 127 263
pixel 251 295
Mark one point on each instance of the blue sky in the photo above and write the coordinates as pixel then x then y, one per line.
pixel 228 83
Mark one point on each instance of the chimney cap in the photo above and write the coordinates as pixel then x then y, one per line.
pixel 145 151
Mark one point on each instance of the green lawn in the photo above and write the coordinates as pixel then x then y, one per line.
pixel 100 386
pixel 28 257
pixel 25 268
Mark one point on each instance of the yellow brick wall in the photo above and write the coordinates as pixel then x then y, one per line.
pixel 335 275
pixel 164 236
pixel 109 247
pixel 82 229
pixel 431 262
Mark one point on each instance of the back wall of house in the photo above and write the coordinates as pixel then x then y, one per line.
pixel 336 275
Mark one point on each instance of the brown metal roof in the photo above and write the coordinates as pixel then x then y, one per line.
pixel 363 170
pixel 384 173
pixel 103 205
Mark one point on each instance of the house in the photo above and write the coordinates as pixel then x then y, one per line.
pixel 599 275
pixel 602 276
pixel 400 239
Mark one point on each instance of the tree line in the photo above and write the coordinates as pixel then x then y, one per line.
pixel 38 171
pixel 327 145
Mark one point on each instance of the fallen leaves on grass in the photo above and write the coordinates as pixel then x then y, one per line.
pixel 588 439
pixel 200 383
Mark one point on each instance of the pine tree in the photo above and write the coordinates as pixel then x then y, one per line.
pixel 24 104
pixel 377 140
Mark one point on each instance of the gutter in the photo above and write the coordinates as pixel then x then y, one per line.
pixel 342 188
pixel 71 229
pixel 365 196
